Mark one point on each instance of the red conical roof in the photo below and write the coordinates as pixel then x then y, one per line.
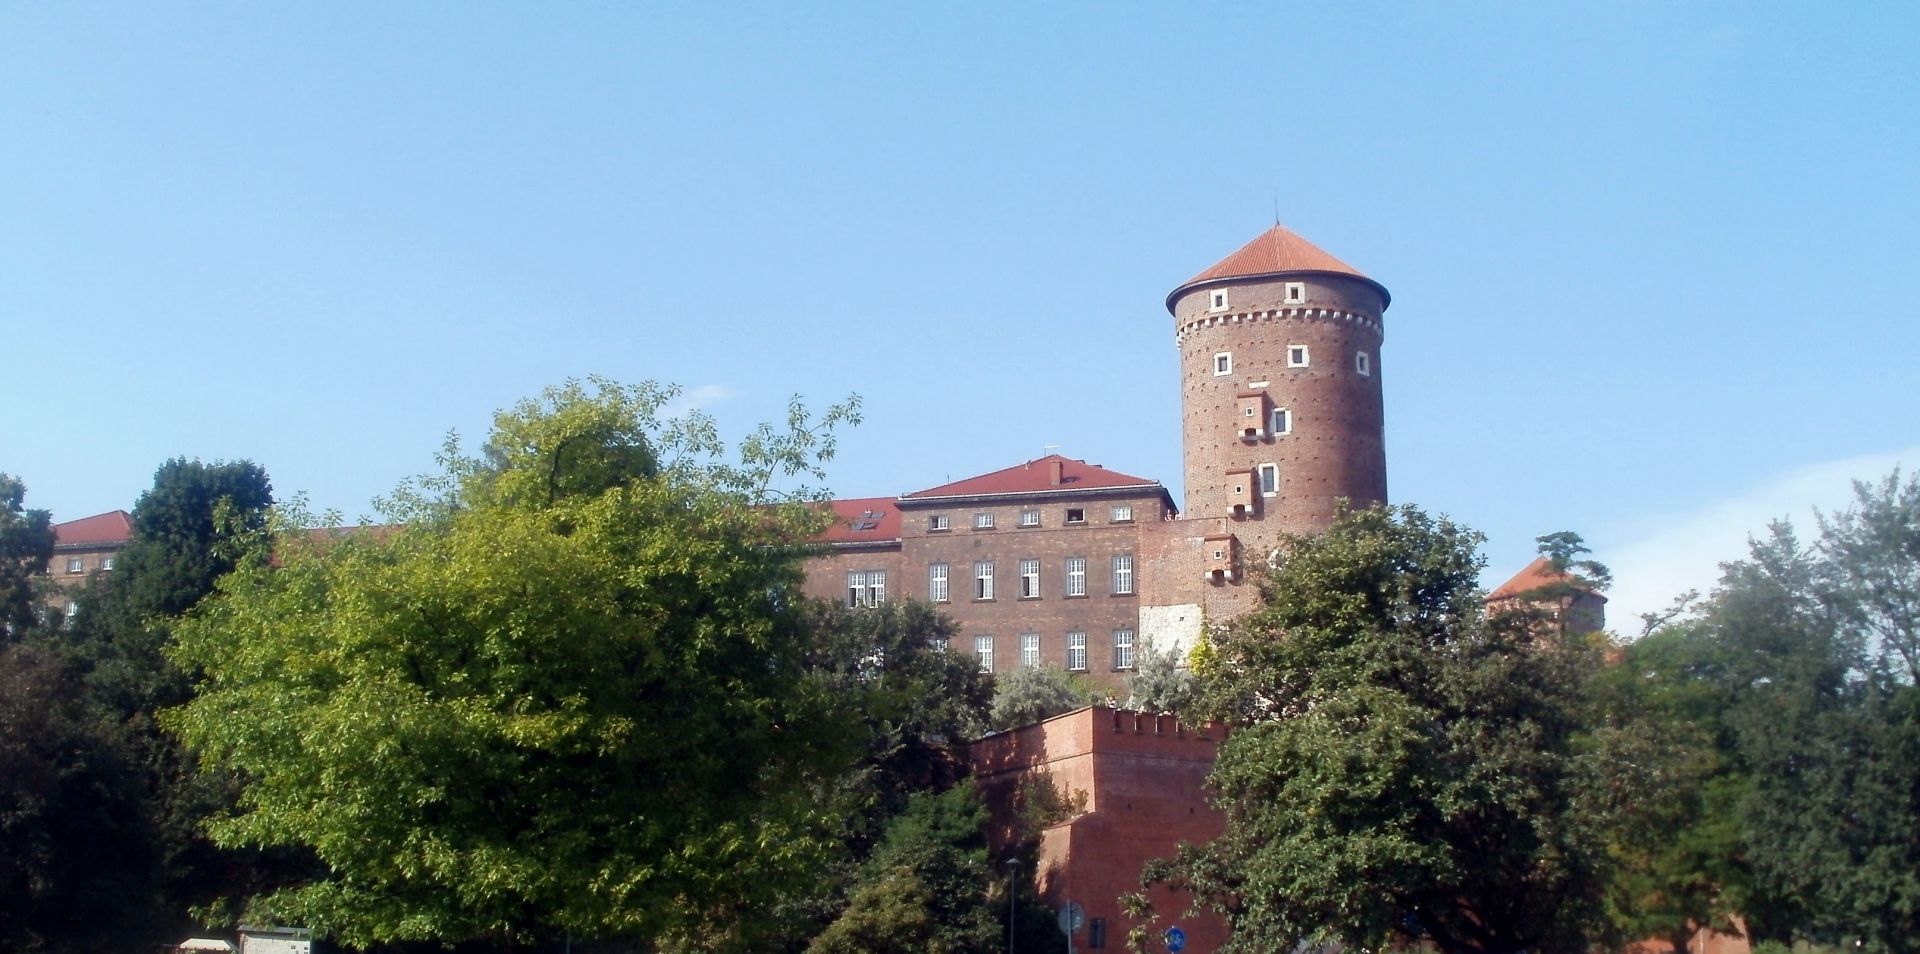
pixel 1276 251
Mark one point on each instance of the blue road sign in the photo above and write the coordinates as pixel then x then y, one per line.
pixel 1176 939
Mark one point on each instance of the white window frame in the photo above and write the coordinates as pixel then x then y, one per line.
pixel 1029 650
pixel 73 609
pixel 1296 293
pixel 866 587
pixel 983 520
pixel 1222 363
pixel 1217 300
pixel 1298 356
pixel 937 582
pixel 1123 574
pixel 1269 480
pixel 1076 515
pixel 1076 651
pixel 983 580
pixel 938 523
pixel 1121 513
pixel 1076 576
pixel 76 564
pixel 1029 518
pixel 1363 364
pixel 983 648
pixel 1281 422
pixel 106 562
pixel 1123 649
pixel 1030 579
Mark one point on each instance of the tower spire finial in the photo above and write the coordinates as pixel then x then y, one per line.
pixel 1276 206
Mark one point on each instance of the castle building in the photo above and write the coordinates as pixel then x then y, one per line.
pixel 81 549
pixel 1057 561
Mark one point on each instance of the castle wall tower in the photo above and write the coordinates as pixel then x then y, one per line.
pixel 1280 393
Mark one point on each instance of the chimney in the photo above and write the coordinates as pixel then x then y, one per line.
pixel 1056 469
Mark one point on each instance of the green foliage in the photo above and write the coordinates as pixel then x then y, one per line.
pixel 76 852
pixel 1158 684
pixel 569 696
pixel 1401 764
pixel 1819 648
pixel 26 544
pixel 925 888
pixel 1030 693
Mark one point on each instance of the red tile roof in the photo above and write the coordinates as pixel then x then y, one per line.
pixel 114 526
pixel 1275 251
pixel 1036 476
pixel 1539 573
pixel 862 520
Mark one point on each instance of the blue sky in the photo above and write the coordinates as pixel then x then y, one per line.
pixel 1650 263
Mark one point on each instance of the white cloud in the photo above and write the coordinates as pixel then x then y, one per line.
pixel 1685 551
pixel 696 399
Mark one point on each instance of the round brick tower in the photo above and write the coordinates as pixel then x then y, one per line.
pixel 1280 389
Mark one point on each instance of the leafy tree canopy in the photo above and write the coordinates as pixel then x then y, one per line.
pixel 1031 693
pixel 567 695
pixel 1402 766
pixel 26 544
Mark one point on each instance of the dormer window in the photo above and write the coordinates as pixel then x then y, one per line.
pixel 1296 293
pixel 1296 356
pixel 1218 300
pixel 1222 364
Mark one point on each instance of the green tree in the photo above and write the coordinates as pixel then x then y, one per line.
pixel 1031 693
pixel 26 544
pixel 540 705
pixel 926 887
pixel 1158 684
pixel 75 849
pixel 1401 765
pixel 1820 652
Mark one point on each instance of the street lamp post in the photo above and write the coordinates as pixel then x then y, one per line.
pixel 1013 897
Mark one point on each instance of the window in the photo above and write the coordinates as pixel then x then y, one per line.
pixel 1029 579
pixel 1223 363
pixel 937 522
pixel 73 609
pixel 1269 479
pixel 106 562
pixel 1029 518
pixel 937 643
pixel 1097 932
pixel 866 587
pixel 1122 513
pixel 1030 650
pixel 1217 301
pixel 1296 356
pixel 1076 576
pixel 76 564
pixel 1362 364
pixel 983 521
pixel 1122 574
pixel 1076 515
pixel 1296 293
pixel 1077 652
pixel 1123 649
pixel 983 580
pixel 1282 422
pixel 983 648
pixel 937 582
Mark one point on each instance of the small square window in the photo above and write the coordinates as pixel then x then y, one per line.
pixel 983 521
pixel 1076 515
pixel 76 564
pixel 937 522
pixel 1217 301
pixel 1363 364
pixel 1296 356
pixel 1029 518
pixel 1296 293
pixel 1122 513
pixel 1223 364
